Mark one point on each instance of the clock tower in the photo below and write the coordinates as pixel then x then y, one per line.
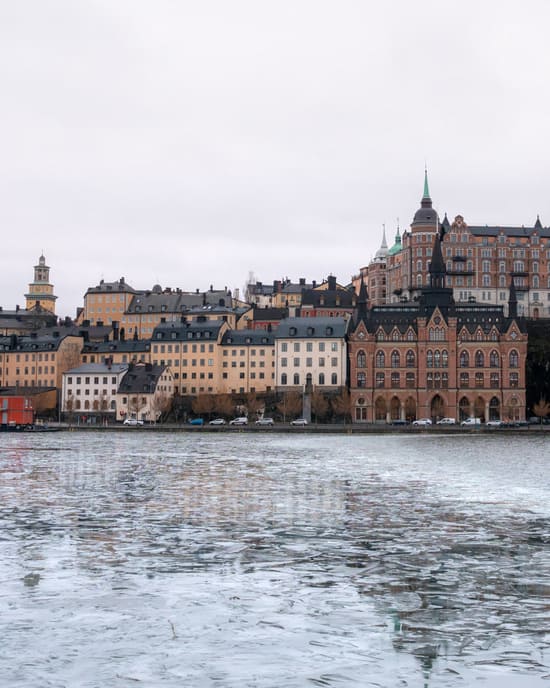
pixel 40 290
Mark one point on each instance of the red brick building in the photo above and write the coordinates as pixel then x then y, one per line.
pixel 434 357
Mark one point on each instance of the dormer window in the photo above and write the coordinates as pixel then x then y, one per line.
pixel 329 331
pixel 292 331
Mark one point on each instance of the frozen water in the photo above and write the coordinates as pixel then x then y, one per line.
pixel 221 560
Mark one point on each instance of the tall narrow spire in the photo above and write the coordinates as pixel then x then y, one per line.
pixel 362 300
pixel 512 300
pixel 437 265
pixel 426 188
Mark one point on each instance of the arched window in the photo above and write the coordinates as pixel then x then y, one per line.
pixel 514 359
pixel 479 359
pixel 429 359
pixel 395 359
pixel 361 359
pixel 283 379
pixel 296 378
pixel 361 380
pixel 536 282
pixel 502 280
pixel 445 358
pixel 334 379
pixel 493 359
pixel 535 267
pixel 464 359
pixel 86 404
pixel 380 359
pixel 321 378
pixel 437 358
pixel 410 359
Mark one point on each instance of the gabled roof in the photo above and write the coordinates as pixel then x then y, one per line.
pixel 141 378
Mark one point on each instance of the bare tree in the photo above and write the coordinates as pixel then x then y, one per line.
pixel 253 404
pixel 203 404
pixel 135 404
pixel 319 405
pixel 161 404
pixel 341 405
pixel 223 405
pixel 290 405
pixel 541 408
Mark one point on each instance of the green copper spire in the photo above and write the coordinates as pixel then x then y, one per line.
pixel 426 189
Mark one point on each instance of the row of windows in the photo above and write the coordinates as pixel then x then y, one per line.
pixel 87 392
pixel 321 379
pixel 30 357
pixel 89 405
pixel 296 346
pixel 297 362
pixel 88 379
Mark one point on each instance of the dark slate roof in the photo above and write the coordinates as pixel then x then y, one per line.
pixel 119 286
pixel 34 342
pixel 151 302
pixel 509 231
pixel 141 378
pixel 306 328
pixel 122 346
pixel 331 298
pixel 98 369
pixel 400 315
pixel 247 338
pixel 184 331
pixel 269 314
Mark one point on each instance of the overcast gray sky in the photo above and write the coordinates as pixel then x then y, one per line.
pixel 188 143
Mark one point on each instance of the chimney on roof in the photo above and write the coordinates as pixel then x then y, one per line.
pixel 115 331
pixel 332 282
pixel 85 323
pixel 314 284
pixel 122 334
pixel 99 323
pixel 17 308
pixel 302 281
pixel 211 288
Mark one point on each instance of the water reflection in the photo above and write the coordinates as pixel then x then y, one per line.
pixel 305 561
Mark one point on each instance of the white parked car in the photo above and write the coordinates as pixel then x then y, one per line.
pixel 471 422
pixel 422 421
pixel 299 421
pixel 264 421
pixel 447 421
pixel 133 421
pixel 217 421
pixel 241 420
pixel 493 424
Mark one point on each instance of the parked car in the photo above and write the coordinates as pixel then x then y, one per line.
pixel 133 421
pixel 264 421
pixel 471 422
pixel 446 421
pixel 398 421
pixel 422 422
pixel 493 424
pixel 299 421
pixel 241 420
pixel 196 421
pixel 217 421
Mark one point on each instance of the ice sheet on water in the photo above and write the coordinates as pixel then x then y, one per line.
pixel 317 561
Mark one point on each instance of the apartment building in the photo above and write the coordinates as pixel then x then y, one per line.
pixel 247 361
pixel 311 351
pixel 91 388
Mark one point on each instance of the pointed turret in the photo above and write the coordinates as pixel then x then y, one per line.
pixel 512 300
pixel 382 252
pixel 438 271
pixel 538 224
pixel 425 216
pixel 362 302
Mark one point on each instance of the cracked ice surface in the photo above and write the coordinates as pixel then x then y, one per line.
pixel 268 559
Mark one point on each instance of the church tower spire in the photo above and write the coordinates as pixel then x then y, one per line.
pixel 40 294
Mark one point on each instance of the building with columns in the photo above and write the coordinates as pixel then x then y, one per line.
pixel 435 357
